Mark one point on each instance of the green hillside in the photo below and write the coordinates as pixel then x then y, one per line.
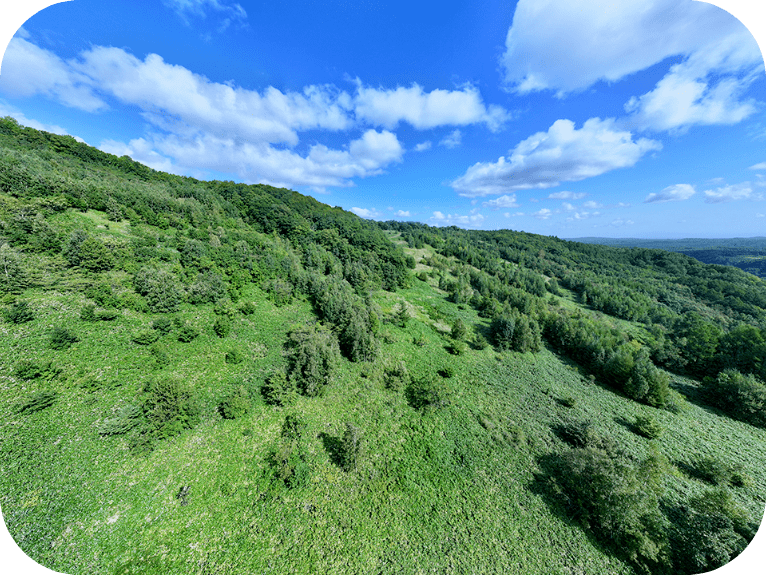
pixel 211 377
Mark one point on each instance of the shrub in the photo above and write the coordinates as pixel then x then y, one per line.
pixel 741 396
pixel 646 383
pixel 107 314
pixel 502 328
pixel 248 308
pixel 161 288
pixel 312 353
pixel 169 407
pixel 456 347
pixel 145 337
pixel 426 394
pixel 161 358
pixel 419 340
pixel 708 532
pixel 126 419
pixel 18 312
pixel 163 324
pixel 280 292
pixel 397 377
pixel 719 473
pixel 37 401
pixel 617 501
pixel 278 389
pixel 402 315
pixel 578 433
pixel 235 404
pixel 458 332
pixel 222 326
pixel 187 333
pixel 289 459
pixel 447 372
pixel 568 401
pixel 27 369
pixel 648 426
pixel 350 448
pixel 208 288
pixel 14 277
pixel 62 338
pixel 676 402
pixel 234 356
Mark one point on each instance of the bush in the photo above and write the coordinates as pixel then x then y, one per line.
pixel 37 401
pixel 312 353
pixel 578 433
pixel 289 459
pixel 248 308
pixel 234 356
pixel 426 394
pixel 350 448
pixel 126 419
pixel 648 427
pixel 719 473
pixel 62 338
pixel 419 340
pixel 107 314
pixel 278 389
pixel 646 383
pixel 397 377
pixel 14 277
pixel 187 333
pixel 222 326
pixel 27 370
pixel 458 332
pixel 161 358
pixel 161 288
pixel 169 407
pixel 18 312
pixel 163 325
pixel 617 501
pixel 235 404
pixel 145 337
pixel 447 372
pixel 741 396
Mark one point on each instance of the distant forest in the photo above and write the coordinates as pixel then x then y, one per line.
pixel 747 254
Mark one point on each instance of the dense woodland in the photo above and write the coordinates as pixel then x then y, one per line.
pixel 307 308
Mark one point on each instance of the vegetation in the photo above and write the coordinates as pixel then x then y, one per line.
pixel 247 361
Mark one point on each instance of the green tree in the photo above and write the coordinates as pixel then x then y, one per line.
pixel 12 273
pixel 312 353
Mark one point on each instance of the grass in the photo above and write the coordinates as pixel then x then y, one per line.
pixel 450 490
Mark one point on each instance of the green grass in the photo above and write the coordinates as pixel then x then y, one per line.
pixel 450 490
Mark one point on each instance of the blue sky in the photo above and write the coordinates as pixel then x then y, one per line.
pixel 639 118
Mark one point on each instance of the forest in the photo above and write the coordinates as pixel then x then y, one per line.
pixel 210 376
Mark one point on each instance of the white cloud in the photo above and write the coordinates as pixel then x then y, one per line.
pixel 567 206
pixel 760 215
pixel 423 110
pixel 402 214
pixel 29 70
pixel 452 140
pixel 743 191
pixel 582 216
pixel 591 205
pixel 760 167
pixel 141 151
pixel 473 220
pixel 6 110
pixel 619 222
pixel 566 195
pixel 563 153
pixel 502 202
pixel 423 146
pixel 543 214
pixel 229 12
pixel 570 45
pixel 674 193
pixel 365 213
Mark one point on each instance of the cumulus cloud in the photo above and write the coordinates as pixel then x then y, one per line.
pixel 452 140
pixel 570 45
pixel 423 146
pixel 402 214
pixel 619 222
pixel 566 195
pixel 543 214
pixel 365 213
pixel 422 110
pixel 582 216
pixel 507 201
pixel 563 153
pixel 473 220
pixel 591 205
pixel 674 193
pixel 29 70
pixel 759 167
pixel 743 191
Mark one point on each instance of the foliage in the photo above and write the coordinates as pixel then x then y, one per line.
pixel 18 312
pixel 278 389
pixel 350 448
pixel 648 426
pixel 235 404
pixel 234 356
pixel 145 337
pixel 62 338
pixel 458 331
pixel 14 278
pixel 222 326
pixel 289 458
pixel 37 401
pixel 247 308
pixel 161 288
pixel 187 333
pixel 312 353
pixel 397 377
pixel 126 419
pixel 163 325
pixel 741 396
pixel 29 369
pixel 169 407
pixel 426 394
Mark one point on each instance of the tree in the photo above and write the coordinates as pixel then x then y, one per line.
pixel 312 353
pixel 458 331
pixel 12 273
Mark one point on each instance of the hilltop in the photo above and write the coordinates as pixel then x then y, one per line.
pixel 209 377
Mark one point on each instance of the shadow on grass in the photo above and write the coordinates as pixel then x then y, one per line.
pixel 626 423
pixel 333 447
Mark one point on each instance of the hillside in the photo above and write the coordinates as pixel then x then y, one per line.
pixel 211 377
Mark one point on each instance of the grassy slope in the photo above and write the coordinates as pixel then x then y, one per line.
pixel 444 492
